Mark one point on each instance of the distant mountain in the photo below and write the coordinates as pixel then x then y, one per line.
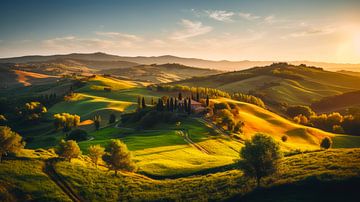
pixel 194 62
pixel 159 73
pixel 281 84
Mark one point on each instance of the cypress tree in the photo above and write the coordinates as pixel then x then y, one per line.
pixel 168 104
pixel 189 106
pixel 185 105
pixel 207 100
pixel 152 101
pixel 143 103
pixel 180 96
pixel 197 95
pixel 176 104
pixel 171 104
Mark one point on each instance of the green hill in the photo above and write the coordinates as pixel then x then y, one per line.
pixel 281 83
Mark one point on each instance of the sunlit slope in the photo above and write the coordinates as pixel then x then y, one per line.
pixel 16 78
pixel 163 151
pixel 281 83
pixel 92 99
pixel 300 137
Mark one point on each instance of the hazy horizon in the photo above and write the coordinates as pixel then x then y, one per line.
pixel 321 31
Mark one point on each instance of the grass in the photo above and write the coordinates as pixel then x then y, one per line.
pixel 24 180
pixel 164 152
pixel 324 166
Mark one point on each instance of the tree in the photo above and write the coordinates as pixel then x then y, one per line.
pixel 284 138
pixel 118 157
pixel 189 106
pixel 66 121
pixel 180 96
pixel 207 101
pixel 326 143
pixel 260 157
pixel 78 135
pixel 197 95
pixel 293 111
pixel 10 141
pixel 112 119
pixel 172 104
pixel 95 153
pixel 97 121
pixel 152 101
pixel 68 149
pixel 143 103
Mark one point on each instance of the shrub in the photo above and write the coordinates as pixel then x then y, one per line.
pixel 326 143
pixel 293 111
pixel 68 150
pixel 78 135
pixel 284 138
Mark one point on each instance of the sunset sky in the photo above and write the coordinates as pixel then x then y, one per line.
pixel 322 30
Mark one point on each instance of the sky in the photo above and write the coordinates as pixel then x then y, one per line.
pixel 277 30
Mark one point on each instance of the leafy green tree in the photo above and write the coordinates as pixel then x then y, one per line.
pixel 118 157
pixel 10 141
pixel 112 119
pixel 78 135
pixel 95 153
pixel 293 111
pixel 68 149
pixel 326 143
pixel 260 157
pixel 66 121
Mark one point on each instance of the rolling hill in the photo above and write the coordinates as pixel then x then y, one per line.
pixel 159 73
pixel 338 103
pixel 223 65
pixel 281 83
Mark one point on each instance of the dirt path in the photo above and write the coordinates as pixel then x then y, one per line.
pixel 187 139
pixel 212 125
pixel 50 171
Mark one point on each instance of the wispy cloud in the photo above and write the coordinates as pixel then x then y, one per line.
pixel 248 16
pixel 190 29
pixel 312 31
pixel 270 19
pixel 221 15
pixel 119 35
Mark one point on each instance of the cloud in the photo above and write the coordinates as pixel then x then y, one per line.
pixel 308 30
pixel 190 29
pixel 119 35
pixel 248 16
pixel 220 15
pixel 270 19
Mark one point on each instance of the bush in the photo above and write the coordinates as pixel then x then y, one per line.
pixel 326 143
pixel 78 135
pixel 284 138
pixel 297 110
pixel 338 129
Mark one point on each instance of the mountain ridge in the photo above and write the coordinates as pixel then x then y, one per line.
pixel 195 62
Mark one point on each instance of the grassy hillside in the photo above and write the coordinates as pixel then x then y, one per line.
pixel 11 78
pixel 296 172
pixel 337 103
pixel 159 73
pixel 281 83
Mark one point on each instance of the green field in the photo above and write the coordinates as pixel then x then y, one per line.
pixel 322 167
